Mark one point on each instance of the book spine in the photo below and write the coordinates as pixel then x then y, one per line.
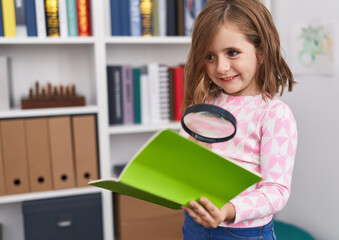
pixel 155 17
pixel 8 14
pixel 162 17
pixel 84 28
pixel 180 18
pixel 146 17
pixel 72 18
pixel 52 18
pixel 114 87
pixel 189 16
pixel 40 17
pixel 164 94
pixel 31 18
pixel 1 21
pixel 115 18
pixel 178 91
pixel 153 75
pixel 135 24
pixel 171 18
pixel 127 93
pixel 137 95
pixel 63 18
pixel 20 18
pixel 145 98
pixel 125 17
pixel 171 93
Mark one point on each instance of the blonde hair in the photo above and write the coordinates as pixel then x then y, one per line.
pixel 255 22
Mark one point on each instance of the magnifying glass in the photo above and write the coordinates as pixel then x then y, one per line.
pixel 209 123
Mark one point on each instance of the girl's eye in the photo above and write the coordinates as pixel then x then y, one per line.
pixel 209 57
pixel 232 53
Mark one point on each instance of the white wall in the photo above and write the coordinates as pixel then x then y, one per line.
pixel 314 203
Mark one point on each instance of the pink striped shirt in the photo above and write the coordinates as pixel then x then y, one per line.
pixel 265 142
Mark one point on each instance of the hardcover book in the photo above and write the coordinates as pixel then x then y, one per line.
pixel 171 22
pixel 8 15
pixel 72 18
pixel 146 17
pixel 115 98
pixel 40 17
pixel 63 18
pixel 84 26
pixel 137 95
pixel 127 94
pixel 115 17
pixel 1 22
pixel 178 74
pixel 135 18
pixel 171 170
pixel 52 18
pixel 31 18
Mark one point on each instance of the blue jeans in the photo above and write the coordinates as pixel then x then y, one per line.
pixel 194 231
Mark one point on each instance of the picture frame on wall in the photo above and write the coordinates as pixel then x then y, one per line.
pixel 268 4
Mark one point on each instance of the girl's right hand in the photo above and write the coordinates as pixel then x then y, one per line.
pixel 206 145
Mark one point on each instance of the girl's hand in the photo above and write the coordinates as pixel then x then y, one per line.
pixel 208 215
pixel 206 145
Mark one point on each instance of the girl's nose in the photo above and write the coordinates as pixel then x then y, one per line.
pixel 223 66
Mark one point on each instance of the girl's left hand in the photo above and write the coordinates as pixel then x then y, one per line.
pixel 208 215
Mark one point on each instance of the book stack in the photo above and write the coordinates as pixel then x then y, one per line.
pixel 153 17
pixel 149 94
pixel 44 18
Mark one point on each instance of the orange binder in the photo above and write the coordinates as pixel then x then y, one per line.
pixel 61 152
pixel 2 180
pixel 39 158
pixel 85 148
pixel 14 156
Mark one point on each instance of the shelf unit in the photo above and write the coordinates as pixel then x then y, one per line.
pixel 83 61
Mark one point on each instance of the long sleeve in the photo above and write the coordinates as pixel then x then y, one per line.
pixel 277 150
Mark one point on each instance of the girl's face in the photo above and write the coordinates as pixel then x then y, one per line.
pixel 232 62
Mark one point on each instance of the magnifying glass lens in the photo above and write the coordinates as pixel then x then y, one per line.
pixel 209 125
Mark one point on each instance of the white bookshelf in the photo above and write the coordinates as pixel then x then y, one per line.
pixel 83 61
pixel 19 113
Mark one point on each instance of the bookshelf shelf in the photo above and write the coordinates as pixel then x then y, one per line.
pixel 148 40
pixel 47 194
pixel 40 41
pixel 131 129
pixel 19 113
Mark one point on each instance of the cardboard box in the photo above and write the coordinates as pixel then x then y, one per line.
pixel 137 219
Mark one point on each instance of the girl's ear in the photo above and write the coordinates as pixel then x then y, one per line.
pixel 260 54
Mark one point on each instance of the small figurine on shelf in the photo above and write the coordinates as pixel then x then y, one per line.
pixel 52 96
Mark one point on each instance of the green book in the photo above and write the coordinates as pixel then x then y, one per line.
pixel 171 170
pixel 137 95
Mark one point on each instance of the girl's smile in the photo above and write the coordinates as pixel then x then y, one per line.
pixel 228 79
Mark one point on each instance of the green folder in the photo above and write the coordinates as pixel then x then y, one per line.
pixel 171 170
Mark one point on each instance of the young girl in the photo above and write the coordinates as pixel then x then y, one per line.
pixel 235 62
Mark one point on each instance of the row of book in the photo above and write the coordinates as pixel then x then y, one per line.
pixel 47 153
pixel 150 94
pixel 41 18
pixel 153 17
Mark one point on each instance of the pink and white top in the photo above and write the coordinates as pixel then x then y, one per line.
pixel 265 142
